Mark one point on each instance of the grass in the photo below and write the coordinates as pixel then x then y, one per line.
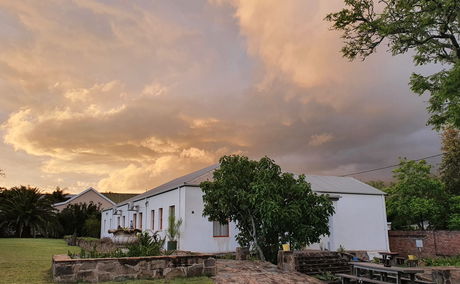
pixel 29 261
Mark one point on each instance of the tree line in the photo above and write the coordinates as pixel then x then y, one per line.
pixel 421 200
pixel 27 212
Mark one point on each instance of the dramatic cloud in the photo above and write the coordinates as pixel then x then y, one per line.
pixel 124 96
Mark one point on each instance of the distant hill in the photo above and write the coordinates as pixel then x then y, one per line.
pixel 118 197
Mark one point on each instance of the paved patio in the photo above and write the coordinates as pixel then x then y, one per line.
pixel 252 272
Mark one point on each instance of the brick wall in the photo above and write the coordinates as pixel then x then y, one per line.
pixel 435 243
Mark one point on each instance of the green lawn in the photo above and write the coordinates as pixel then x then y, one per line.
pixel 29 261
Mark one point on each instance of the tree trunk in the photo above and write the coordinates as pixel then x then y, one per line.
pixel 20 231
pixel 254 237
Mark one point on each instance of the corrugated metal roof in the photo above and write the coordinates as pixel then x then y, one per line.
pixel 326 184
pixel 335 184
pixel 194 178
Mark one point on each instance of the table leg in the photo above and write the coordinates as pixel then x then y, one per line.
pixel 398 278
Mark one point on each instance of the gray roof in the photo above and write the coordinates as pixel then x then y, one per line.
pixel 323 184
pixel 193 179
pixel 334 184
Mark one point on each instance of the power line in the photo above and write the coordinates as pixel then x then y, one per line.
pixel 388 167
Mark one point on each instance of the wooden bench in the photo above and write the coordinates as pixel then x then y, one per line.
pixel 405 279
pixel 347 277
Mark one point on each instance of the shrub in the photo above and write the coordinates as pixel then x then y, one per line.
pixel 443 261
pixel 92 227
pixel 147 245
pixel 327 276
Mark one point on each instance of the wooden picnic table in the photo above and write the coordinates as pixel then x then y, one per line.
pixel 398 272
pixel 388 257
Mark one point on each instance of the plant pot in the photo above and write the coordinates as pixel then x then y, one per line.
pixel 124 236
pixel 171 245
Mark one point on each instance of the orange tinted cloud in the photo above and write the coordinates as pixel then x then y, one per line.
pixel 124 96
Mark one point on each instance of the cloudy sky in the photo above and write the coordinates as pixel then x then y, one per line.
pixel 125 95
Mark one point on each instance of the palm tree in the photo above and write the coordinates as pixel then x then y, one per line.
pixel 27 212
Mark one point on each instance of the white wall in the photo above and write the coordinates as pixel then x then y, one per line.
pixel 110 221
pixel 198 231
pixel 360 223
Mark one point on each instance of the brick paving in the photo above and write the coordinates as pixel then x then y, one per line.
pixel 254 272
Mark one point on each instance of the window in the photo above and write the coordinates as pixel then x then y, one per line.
pixel 140 221
pixel 160 218
pixel 118 221
pixel 124 222
pixel 152 216
pixel 105 225
pixel 135 221
pixel 172 210
pixel 219 230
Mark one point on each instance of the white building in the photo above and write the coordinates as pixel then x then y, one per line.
pixel 359 222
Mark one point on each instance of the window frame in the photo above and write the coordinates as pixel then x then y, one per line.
pixel 221 235
pixel 140 219
pixel 172 209
pixel 160 218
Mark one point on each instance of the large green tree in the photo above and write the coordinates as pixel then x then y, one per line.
pixel 450 165
pixel 269 207
pixel 416 198
pixel 25 211
pixel 430 29
pixel 454 213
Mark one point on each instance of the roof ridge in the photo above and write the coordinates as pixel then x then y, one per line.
pixel 172 183
pixel 83 192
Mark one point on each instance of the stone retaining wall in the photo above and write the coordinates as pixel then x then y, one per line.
pixel 67 270
pixel 102 246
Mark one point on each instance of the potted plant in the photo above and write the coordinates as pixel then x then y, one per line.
pixel 173 232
